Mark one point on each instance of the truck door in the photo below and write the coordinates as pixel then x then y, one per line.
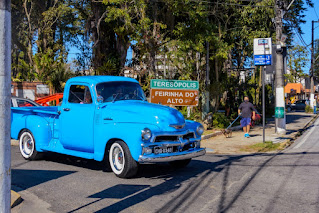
pixel 77 119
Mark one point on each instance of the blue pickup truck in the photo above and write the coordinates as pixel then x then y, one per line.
pixel 107 118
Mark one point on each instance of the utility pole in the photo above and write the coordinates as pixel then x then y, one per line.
pixel 280 95
pixel 207 83
pixel 312 95
pixel 5 110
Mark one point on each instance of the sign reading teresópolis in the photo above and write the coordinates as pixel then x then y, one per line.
pixel 174 97
pixel 174 84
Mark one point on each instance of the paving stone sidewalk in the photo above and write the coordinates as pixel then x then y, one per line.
pixel 296 121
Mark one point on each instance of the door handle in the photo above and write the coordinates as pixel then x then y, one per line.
pixel 66 109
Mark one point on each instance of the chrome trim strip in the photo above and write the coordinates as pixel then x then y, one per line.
pixel 178 126
pixel 171 156
pixel 172 143
pixel 154 135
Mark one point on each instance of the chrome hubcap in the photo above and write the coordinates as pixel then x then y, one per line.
pixel 117 158
pixel 27 145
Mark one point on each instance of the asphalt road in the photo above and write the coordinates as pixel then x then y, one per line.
pixel 282 182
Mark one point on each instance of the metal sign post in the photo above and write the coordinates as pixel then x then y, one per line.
pixel 264 111
pixel 262 57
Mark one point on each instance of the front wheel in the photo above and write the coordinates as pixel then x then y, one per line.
pixel 121 161
pixel 27 146
pixel 180 163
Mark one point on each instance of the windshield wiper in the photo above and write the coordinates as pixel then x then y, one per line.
pixel 114 99
pixel 140 97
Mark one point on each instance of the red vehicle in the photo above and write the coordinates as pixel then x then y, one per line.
pixel 45 100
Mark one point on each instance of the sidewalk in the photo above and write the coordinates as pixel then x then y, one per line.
pixel 296 121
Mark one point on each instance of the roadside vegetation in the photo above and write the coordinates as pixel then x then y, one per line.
pixel 268 146
pixel 176 34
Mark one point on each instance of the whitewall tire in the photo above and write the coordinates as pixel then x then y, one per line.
pixel 121 161
pixel 27 146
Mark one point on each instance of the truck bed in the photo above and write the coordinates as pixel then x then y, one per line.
pixel 36 110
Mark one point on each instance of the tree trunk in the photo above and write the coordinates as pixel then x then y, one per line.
pixel 30 31
pixel 122 45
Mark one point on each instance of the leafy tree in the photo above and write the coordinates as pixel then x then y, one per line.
pixel 297 60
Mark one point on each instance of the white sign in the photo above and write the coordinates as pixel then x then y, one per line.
pixel 262 46
pixel 26 93
pixel 43 89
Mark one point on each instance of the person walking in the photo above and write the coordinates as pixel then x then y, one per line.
pixel 245 109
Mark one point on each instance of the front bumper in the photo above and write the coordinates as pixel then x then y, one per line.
pixel 172 156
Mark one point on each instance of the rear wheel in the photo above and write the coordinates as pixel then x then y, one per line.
pixel 180 163
pixel 27 146
pixel 121 161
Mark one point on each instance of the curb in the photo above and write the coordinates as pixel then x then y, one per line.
pixel 16 199
pixel 295 135
pixel 204 137
pixel 14 142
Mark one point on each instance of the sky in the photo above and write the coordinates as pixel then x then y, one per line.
pixel 311 14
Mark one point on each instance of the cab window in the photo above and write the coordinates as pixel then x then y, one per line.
pixel 80 94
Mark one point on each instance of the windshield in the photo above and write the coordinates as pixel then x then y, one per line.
pixel 119 90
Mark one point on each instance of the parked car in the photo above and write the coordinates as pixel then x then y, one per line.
pixel 107 118
pixel 298 105
pixel 23 102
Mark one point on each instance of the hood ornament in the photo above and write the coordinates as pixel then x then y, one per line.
pixel 177 126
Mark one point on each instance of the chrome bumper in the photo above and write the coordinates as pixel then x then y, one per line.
pixel 158 158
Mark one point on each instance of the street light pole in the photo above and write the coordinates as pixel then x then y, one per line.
pixel 280 95
pixel 5 110
pixel 312 95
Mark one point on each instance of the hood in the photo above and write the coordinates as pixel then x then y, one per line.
pixel 142 112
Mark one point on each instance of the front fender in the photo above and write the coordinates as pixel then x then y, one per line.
pixel 130 133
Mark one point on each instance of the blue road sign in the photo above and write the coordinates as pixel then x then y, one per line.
pixel 261 60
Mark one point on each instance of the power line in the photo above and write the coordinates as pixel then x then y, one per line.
pixel 301 39
pixel 299 36
pixel 316 12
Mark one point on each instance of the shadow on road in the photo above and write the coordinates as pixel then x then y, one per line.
pixel 191 181
pixel 25 178
pixel 199 175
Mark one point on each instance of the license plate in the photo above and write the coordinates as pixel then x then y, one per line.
pixel 159 150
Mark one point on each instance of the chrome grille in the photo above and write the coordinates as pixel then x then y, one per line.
pixel 189 135
pixel 166 138
pixel 163 138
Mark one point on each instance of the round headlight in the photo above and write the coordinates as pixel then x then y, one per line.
pixel 200 130
pixel 146 134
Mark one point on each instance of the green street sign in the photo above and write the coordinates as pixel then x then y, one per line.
pixel 174 84
pixel 279 112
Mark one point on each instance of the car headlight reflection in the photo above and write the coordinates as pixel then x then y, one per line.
pixel 146 134
pixel 200 130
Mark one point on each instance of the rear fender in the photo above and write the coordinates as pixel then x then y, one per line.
pixel 41 130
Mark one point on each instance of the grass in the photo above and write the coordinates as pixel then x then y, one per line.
pixel 268 146
pixel 209 131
